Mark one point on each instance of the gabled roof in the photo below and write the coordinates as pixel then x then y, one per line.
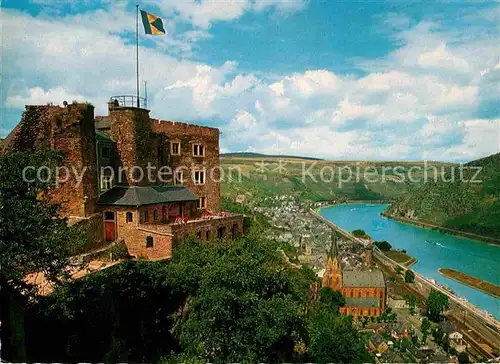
pixel 334 249
pixel 361 302
pixel 363 278
pixel 101 136
pixel 137 196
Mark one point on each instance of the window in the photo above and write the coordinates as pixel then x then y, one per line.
pixel 146 216
pixel 199 177
pixel 201 203
pixel 175 148
pixel 207 235
pixel 155 215
pixel 129 217
pixel 109 215
pixel 178 178
pixel 149 241
pixel 198 234
pixel 198 150
pixel 105 152
pixel 106 182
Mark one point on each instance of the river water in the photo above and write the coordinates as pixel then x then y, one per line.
pixel 433 249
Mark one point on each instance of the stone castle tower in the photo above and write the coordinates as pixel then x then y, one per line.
pixel 333 271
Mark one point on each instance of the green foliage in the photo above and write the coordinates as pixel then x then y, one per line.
pixel 333 339
pixel 32 236
pixel 437 302
pixel 412 301
pixel 246 306
pixel 383 245
pixel 332 299
pixel 440 337
pixel 409 276
pixel 463 358
pixel 398 269
pixel 253 222
pixel 273 181
pixel 123 313
pixel 360 234
pixel 458 204
pixel 119 251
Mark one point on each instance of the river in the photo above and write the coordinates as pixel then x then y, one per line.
pixel 433 249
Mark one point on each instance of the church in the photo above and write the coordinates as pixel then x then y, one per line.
pixel 364 291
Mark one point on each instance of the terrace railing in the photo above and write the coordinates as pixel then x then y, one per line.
pixel 128 101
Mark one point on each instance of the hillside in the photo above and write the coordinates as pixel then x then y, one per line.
pixel 259 155
pixel 457 204
pixel 256 179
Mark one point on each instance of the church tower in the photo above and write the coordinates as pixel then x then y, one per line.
pixel 333 271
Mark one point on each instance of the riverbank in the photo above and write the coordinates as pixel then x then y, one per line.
pixel 401 258
pixel 473 282
pixel 444 230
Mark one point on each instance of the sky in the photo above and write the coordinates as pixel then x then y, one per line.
pixel 336 79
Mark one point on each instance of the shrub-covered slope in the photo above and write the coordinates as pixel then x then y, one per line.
pixel 455 202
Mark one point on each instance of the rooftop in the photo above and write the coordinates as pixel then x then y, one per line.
pixel 364 278
pixel 137 196
pixel 362 302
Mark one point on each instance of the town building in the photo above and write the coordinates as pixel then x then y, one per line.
pixel 364 290
pixel 130 177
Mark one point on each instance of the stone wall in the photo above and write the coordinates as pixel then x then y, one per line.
pixel 207 229
pixel 134 235
pixel 187 135
pixel 137 145
pixel 69 130
pixel 360 311
pixel 93 229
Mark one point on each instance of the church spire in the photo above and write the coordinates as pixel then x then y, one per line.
pixel 332 277
pixel 334 249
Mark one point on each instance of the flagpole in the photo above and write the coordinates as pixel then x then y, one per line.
pixel 137 51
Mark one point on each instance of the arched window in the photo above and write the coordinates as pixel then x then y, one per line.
pixel 130 217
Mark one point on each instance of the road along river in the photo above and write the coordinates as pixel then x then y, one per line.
pixel 432 249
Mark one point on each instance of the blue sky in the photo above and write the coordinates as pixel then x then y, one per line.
pixel 373 79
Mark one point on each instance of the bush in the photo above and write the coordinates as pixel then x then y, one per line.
pixel 409 276
pixel 383 245
pixel 360 234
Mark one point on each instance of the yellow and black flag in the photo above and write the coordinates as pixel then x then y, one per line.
pixel 152 24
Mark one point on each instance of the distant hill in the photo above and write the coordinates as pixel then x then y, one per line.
pixel 259 155
pixel 457 204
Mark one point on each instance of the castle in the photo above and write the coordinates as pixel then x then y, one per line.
pixel 364 291
pixel 129 177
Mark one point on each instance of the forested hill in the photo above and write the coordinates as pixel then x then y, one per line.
pixel 457 203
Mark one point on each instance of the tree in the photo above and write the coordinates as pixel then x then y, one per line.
pixel 437 302
pixel 333 339
pixel 124 313
pixel 383 245
pixel 412 301
pixel 331 298
pixel 245 304
pixel 440 337
pixel 409 276
pixel 463 358
pixel 425 328
pixel 33 239
pixel 360 234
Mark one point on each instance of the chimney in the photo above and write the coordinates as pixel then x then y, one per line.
pixel 368 254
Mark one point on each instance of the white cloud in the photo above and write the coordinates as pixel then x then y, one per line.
pixel 417 102
pixel 39 96
pixel 203 13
